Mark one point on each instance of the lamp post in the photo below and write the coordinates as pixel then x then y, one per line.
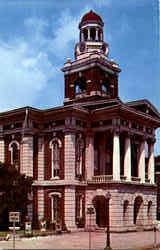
pixel 90 211
pixel 108 197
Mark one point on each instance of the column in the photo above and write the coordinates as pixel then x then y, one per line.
pixel 41 158
pixel 96 34
pixel 101 35
pixel 89 38
pixel 69 207
pixel 151 163
pixel 40 197
pixel 141 162
pixel 2 150
pixel 116 156
pixel 127 159
pixel 82 36
pixel 69 155
pixel 27 155
pixel 89 156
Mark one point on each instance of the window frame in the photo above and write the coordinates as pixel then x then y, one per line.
pixel 54 173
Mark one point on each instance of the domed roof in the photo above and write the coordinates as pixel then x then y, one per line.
pixel 91 16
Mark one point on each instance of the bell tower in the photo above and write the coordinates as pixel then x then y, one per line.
pixel 92 76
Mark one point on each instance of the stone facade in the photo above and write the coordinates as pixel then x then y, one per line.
pixel 92 146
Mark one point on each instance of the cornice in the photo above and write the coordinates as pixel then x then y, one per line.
pixel 90 62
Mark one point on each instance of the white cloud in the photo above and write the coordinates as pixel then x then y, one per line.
pixel 66 32
pixel 25 71
pixel 28 63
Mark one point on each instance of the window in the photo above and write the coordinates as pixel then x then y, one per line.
pixel 105 85
pixel 79 156
pixel 80 85
pixel 55 208
pixel 55 146
pixel 79 210
pixel 14 148
pixel 93 34
pixel 99 35
pixel 85 32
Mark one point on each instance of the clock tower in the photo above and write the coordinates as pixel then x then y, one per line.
pixel 92 76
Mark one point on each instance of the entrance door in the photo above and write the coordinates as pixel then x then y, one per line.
pixel 100 204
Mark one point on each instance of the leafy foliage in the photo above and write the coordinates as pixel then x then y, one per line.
pixel 14 190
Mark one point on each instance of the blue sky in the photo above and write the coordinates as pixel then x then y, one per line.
pixel 37 37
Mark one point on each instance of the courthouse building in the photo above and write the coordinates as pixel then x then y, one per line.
pixel 92 146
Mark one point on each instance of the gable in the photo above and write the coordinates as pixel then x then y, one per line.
pixel 144 106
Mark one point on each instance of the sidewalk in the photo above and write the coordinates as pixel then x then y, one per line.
pixel 80 240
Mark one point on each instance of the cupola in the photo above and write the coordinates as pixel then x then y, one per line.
pixel 92 75
pixel 91 36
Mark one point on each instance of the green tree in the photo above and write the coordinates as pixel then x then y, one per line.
pixel 14 191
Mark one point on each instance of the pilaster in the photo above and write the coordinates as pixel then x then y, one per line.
pixel 40 203
pixel 90 156
pixel 69 207
pixel 41 158
pixel 69 155
pixel 2 150
pixel 27 155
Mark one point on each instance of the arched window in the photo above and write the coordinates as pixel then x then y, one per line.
pixel 80 85
pixel 138 211
pixel 55 146
pixel 79 156
pixel 105 86
pixel 55 206
pixel 14 148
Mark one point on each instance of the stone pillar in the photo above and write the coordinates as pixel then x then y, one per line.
pixel 2 150
pixel 151 169
pixel 116 212
pixel 27 155
pixel 127 159
pixel 141 162
pixel 116 156
pixel 96 34
pixel 69 207
pixel 40 203
pixel 89 37
pixel 41 158
pixel 69 155
pixel 89 156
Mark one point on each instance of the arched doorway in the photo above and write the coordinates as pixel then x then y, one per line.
pixel 138 211
pixel 126 212
pixel 149 212
pixel 101 206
